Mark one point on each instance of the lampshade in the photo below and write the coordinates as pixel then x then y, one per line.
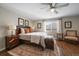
pixel 12 27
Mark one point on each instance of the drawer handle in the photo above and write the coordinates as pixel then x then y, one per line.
pixel 11 40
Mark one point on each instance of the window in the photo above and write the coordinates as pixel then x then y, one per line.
pixel 50 26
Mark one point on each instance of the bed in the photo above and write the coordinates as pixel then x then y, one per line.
pixel 35 37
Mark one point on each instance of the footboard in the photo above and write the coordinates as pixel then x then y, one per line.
pixel 49 43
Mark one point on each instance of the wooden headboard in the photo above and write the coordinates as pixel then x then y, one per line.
pixel 18 30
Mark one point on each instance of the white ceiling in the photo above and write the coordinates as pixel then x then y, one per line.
pixel 33 10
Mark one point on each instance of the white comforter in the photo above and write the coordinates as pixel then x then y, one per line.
pixel 35 37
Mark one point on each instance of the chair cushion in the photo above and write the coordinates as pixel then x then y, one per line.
pixel 71 33
pixel 71 38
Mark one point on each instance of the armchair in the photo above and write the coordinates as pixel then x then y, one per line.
pixel 71 36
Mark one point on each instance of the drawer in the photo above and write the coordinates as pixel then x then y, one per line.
pixel 11 41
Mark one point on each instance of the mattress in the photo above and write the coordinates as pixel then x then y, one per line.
pixel 35 37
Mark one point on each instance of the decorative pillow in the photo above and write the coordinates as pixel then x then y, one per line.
pixel 30 29
pixel 22 30
pixel 26 30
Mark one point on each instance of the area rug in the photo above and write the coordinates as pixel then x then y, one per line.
pixel 28 50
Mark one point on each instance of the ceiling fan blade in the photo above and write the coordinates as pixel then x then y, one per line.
pixel 50 5
pixel 63 5
pixel 45 5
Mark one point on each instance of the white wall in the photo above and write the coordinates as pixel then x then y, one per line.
pixel 6 18
pixel 75 23
pixel 74 20
pixel 34 24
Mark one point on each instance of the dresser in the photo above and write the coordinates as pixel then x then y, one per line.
pixel 11 41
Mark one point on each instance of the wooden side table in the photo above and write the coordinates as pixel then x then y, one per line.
pixel 11 41
pixel 60 36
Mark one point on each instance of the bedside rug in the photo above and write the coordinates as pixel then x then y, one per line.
pixel 28 50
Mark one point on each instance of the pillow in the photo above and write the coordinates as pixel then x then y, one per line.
pixel 22 30
pixel 26 30
pixel 30 29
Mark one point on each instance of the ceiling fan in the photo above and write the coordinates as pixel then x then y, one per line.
pixel 54 6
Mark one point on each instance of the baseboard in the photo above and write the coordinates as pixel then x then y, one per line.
pixel 2 49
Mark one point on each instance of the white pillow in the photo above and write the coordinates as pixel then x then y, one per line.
pixel 22 30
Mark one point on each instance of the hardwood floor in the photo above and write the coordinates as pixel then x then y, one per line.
pixel 67 49
pixel 4 53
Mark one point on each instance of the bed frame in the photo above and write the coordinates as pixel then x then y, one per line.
pixel 49 43
pixel 18 31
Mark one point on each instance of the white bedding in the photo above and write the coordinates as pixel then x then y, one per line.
pixel 35 37
pixel 37 33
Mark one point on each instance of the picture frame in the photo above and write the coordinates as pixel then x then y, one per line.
pixel 26 23
pixel 20 21
pixel 38 25
pixel 68 24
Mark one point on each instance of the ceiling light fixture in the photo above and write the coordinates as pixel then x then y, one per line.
pixel 52 10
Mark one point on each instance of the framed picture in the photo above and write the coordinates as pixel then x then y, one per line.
pixel 26 23
pixel 20 21
pixel 68 24
pixel 38 25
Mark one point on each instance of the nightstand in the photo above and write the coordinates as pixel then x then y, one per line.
pixel 11 41
pixel 60 36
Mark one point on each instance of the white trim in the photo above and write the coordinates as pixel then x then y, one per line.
pixel 2 49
